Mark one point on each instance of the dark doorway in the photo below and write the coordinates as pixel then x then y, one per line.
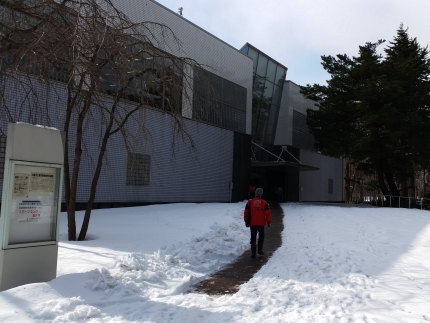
pixel 280 183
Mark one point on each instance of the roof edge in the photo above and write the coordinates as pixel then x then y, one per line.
pixel 260 51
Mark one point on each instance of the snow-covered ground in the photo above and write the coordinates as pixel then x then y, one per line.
pixel 336 264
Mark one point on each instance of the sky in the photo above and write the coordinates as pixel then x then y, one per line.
pixel 297 32
pixel 336 264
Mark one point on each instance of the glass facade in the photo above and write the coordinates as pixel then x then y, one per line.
pixel 269 77
pixel 218 101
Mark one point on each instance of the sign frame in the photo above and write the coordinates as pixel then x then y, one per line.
pixel 6 208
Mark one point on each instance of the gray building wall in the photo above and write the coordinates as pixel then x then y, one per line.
pixel 212 53
pixel 179 172
pixel 294 106
pixel 293 130
pixel 314 185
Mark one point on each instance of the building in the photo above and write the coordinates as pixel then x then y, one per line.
pixel 238 111
pixel 162 167
pixel 284 159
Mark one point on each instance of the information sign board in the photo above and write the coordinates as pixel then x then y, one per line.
pixel 33 204
pixel 31 199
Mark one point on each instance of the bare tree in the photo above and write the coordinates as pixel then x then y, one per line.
pixel 110 69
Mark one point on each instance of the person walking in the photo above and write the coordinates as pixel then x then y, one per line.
pixel 256 215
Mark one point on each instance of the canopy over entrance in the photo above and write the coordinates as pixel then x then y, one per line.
pixel 276 169
pixel 264 157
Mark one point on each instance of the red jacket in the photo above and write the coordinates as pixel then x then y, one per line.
pixel 259 211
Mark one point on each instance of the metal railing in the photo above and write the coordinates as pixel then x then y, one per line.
pixel 398 201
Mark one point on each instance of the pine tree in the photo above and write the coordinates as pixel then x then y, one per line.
pixel 407 88
pixel 375 110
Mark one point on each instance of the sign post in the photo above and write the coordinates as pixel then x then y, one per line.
pixel 30 206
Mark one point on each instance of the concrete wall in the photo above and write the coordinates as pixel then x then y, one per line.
pixel 314 185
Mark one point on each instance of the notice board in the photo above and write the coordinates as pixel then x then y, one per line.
pixel 34 203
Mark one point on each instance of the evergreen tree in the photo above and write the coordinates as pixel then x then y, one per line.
pixel 407 89
pixel 375 110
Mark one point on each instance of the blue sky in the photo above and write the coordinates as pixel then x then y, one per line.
pixel 297 32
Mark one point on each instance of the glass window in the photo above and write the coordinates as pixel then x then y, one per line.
pixel 268 91
pixel 241 98
pixel 258 89
pixel 223 104
pixel 254 56
pixel 259 119
pixel 234 96
pixel 262 65
pixel 229 93
pixel 215 87
pixel 272 123
pixel 281 73
pixel 244 50
pixel 271 71
pixel 201 79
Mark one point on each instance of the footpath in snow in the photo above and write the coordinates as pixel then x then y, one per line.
pixel 336 264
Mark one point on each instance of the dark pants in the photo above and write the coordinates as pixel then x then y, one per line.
pixel 254 230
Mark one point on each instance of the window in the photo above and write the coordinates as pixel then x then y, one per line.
pixel 268 83
pixel 330 185
pixel 218 101
pixel 151 78
pixel 281 74
pixel 268 91
pixel 138 169
pixel 271 71
pixel 254 56
pixel 262 65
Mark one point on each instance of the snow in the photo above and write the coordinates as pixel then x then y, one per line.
pixel 37 125
pixel 336 264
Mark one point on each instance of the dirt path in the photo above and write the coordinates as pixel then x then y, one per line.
pixel 229 278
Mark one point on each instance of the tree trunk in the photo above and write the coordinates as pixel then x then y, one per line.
pixel 394 190
pixel 96 176
pixel 71 222
pixel 107 134
pixel 72 98
pixel 71 207
pixel 381 181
